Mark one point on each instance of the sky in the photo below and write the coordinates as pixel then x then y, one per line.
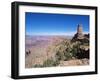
pixel 54 24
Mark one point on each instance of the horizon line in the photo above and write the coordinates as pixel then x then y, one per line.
pixel 67 34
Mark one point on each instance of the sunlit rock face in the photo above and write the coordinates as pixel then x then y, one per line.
pixel 80 32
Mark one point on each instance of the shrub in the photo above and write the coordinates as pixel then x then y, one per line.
pixel 37 65
pixel 76 50
pixel 50 62
pixel 59 56
pixel 64 51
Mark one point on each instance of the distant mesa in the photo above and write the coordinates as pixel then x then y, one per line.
pixel 79 35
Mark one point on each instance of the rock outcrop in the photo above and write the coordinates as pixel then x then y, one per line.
pixel 79 35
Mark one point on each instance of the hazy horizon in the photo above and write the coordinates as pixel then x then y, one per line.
pixel 60 34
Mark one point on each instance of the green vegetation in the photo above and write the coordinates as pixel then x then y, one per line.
pixel 50 62
pixel 64 51
pixel 38 65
